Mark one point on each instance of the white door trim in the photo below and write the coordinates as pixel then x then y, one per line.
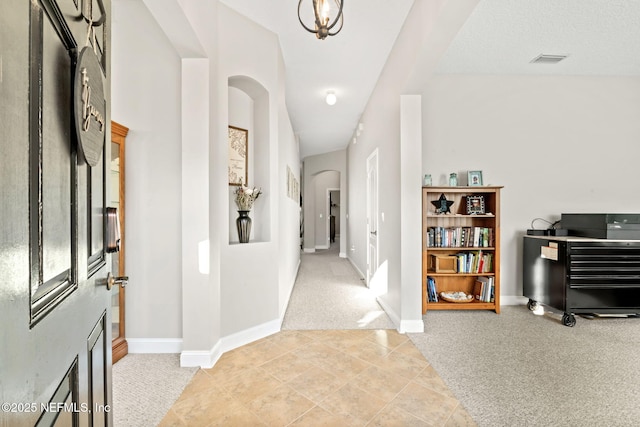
pixel 372 215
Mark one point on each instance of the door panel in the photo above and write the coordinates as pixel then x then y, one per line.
pixel 51 165
pixel 97 347
pixel 52 202
pixel 65 396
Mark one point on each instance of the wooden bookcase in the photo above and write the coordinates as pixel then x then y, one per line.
pixel 446 252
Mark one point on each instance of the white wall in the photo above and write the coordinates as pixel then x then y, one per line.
pixel 251 286
pixel 146 99
pixel 289 208
pixel 557 144
pixel 171 215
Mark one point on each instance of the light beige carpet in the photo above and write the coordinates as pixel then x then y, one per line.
pixel 145 386
pixel 329 294
pixel 518 369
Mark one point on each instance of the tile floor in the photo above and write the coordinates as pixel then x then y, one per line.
pixel 320 378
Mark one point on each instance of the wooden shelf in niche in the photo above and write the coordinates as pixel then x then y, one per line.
pixel 449 279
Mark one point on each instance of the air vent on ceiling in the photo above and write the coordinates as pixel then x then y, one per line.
pixel 548 59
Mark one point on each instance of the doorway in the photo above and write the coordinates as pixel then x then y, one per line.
pixel 372 215
pixel 333 215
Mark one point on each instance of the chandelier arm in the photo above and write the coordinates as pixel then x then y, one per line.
pixel 338 30
pixel 302 23
pixel 338 17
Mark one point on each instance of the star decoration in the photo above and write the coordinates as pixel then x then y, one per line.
pixel 442 204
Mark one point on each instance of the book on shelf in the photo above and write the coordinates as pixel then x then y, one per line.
pixel 484 289
pixel 432 293
pixel 459 237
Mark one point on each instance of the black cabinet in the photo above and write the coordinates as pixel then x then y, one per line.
pixel 582 275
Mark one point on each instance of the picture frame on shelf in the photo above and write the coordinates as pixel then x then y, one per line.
pixel 474 178
pixel 238 155
pixel 475 205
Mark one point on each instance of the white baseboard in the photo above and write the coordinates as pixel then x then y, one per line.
pixel 206 359
pixel 309 250
pixel 203 359
pixel 356 267
pixel 250 335
pixel 392 314
pixel 342 255
pixel 322 246
pixel 411 326
pixel 154 345
pixel 283 307
pixel 403 326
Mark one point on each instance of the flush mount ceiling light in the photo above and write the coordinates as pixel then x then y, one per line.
pixel 322 9
pixel 331 98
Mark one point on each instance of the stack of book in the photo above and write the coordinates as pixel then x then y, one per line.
pixel 432 293
pixel 484 289
pixel 460 237
pixel 475 262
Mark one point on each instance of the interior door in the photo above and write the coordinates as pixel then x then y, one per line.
pixel 55 363
pixel 372 215
pixel 119 345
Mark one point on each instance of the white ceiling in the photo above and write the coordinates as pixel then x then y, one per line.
pixel 348 63
pixel 600 37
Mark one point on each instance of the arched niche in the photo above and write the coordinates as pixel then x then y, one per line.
pixel 248 103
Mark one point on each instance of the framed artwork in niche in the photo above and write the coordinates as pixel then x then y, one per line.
pixel 238 155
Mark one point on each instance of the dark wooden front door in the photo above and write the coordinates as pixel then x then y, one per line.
pixel 55 338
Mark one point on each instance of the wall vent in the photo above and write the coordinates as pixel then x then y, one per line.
pixel 548 59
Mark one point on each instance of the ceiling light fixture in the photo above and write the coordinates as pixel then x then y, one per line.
pixel 323 23
pixel 331 98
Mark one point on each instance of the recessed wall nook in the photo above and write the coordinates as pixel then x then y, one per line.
pixel 248 104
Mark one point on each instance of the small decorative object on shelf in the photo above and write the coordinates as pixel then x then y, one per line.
pixel 474 178
pixel 245 197
pixel 243 224
pixel 453 179
pixel 456 297
pixel 426 181
pixel 475 205
pixel 442 204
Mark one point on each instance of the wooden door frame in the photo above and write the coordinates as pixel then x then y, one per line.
pixel 119 345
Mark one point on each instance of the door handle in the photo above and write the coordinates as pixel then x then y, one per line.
pixel 375 233
pixel 116 280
